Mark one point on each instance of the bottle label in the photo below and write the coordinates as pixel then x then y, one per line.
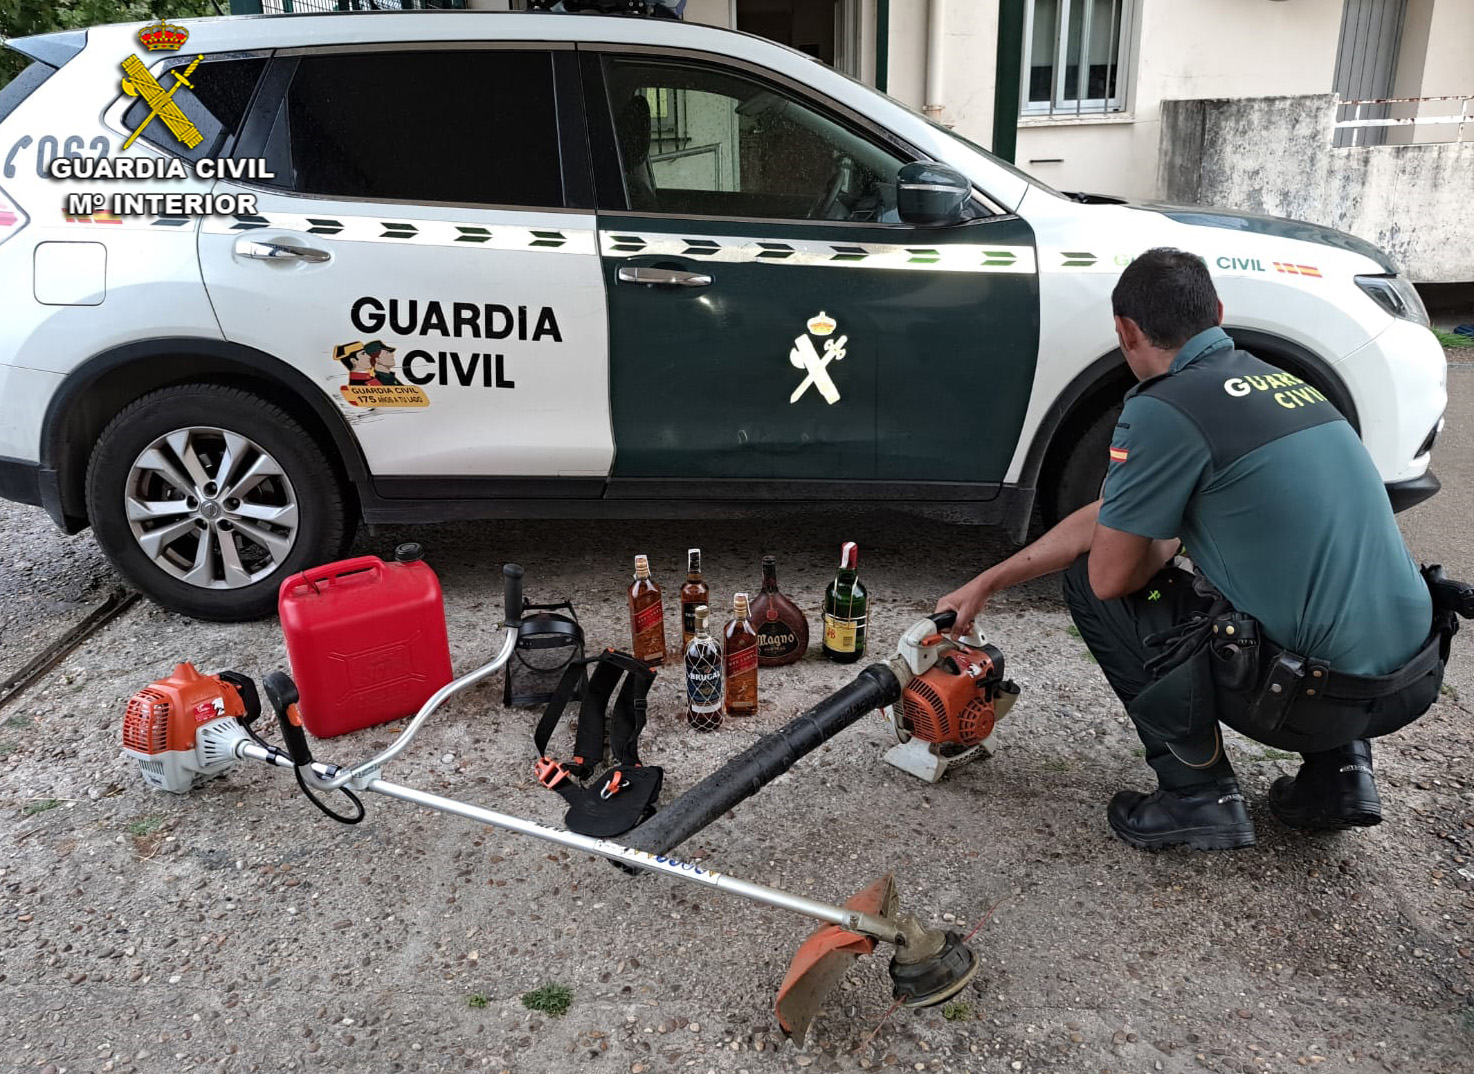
pixel 688 617
pixel 648 618
pixel 742 661
pixel 776 640
pixel 704 689
pixel 840 634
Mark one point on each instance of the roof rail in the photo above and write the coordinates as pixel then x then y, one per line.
pixel 658 9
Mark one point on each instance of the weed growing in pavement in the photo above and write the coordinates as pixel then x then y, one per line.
pixel 7 748
pixel 145 826
pixel 1453 340
pixel 477 1000
pixel 1058 764
pixel 554 999
pixel 957 1012
pixel 32 808
pixel 1271 754
pixel 1072 630
pixel 1449 691
pixel 18 722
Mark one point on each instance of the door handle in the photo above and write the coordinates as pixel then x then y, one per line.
pixel 279 251
pixel 664 277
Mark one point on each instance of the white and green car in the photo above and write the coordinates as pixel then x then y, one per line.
pixel 266 277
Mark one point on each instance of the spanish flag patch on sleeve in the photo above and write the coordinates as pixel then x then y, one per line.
pixel 1118 454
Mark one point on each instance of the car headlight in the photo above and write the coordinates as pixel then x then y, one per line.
pixel 1397 296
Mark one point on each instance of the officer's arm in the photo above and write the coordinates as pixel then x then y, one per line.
pixel 1121 563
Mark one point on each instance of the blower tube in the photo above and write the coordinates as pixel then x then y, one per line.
pixel 764 761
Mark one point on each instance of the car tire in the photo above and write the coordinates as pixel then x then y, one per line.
pixel 1082 473
pixel 205 497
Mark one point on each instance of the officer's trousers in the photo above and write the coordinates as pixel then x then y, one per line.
pixel 1116 632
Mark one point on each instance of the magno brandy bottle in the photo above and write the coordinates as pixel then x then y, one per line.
pixel 782 630
pixel 845 605
pixel 693 594
pixel 740 664
pixel 647 616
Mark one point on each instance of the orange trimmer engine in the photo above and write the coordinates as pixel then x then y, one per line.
pixel 184 729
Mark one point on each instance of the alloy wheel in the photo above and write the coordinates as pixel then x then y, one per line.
pixel 211 507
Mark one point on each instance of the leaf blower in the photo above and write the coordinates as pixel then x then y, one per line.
pixel 949 707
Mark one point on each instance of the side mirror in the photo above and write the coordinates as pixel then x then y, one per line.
pixel 930 194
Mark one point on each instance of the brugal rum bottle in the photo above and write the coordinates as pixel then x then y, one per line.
pixel 845 605
pixel 740 664
pixel 703 676
pixel 647 616
pixel 782 630
pixel 693 594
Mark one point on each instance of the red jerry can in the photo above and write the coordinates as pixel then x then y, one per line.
pixel 366 640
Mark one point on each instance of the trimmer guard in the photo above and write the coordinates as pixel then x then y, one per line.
pixel 821 961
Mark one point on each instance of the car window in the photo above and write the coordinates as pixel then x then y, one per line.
pixel 699 141
pixel 207 99
pixel 475 126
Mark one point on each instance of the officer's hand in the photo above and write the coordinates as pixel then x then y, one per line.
pixel 967 601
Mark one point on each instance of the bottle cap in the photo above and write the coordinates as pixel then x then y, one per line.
pixel 693 560
pixel 409 552
pixel 739 605
pixel 642 567
pixel 849 555
pixel 703 613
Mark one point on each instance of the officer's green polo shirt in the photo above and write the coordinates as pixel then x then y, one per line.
pixel 1276 500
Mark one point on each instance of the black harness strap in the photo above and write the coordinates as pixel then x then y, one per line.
pixel 625 793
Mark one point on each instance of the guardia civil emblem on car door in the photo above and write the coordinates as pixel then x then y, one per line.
pixel 806 356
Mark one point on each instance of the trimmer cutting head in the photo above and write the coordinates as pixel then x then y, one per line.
pixel 929 966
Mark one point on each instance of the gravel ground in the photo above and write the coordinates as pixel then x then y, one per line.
pixel 237 929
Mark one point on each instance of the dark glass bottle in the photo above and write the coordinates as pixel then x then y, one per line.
pixel 703 676
pixel 739 666
pixel 782 629
pixel 693 594
pixel 845 606
pixel 647 616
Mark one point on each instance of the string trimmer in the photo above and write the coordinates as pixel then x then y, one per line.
pixel 191 727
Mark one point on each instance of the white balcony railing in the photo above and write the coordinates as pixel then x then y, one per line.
pixel 1375 122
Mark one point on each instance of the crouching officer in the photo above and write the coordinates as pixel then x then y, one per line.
pixel 1300 619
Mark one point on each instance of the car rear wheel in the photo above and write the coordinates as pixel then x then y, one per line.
pixel 206 497
pixel 1083 470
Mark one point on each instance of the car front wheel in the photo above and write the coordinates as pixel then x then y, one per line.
pixel 206 497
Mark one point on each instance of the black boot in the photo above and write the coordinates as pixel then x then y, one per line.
pixel 1209 816
pixel 1334 790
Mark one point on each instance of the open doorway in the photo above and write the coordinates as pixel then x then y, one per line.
pixel 827 30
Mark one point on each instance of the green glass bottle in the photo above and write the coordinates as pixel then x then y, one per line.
pixel 845 606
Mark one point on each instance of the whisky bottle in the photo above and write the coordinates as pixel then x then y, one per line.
pixel 647 616
pixel 703 676
pixel 739 666
pixel 782 630
pixel 845 605
pixel 693 594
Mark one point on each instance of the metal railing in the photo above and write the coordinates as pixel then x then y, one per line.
pixel 1371 120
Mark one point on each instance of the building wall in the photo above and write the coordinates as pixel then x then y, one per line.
pixel 1185 49
pixel 1414 201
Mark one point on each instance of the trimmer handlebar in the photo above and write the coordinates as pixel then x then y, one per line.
pixel 281 691
pixel 512 592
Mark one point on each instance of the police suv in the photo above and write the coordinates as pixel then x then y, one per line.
pixel 266 277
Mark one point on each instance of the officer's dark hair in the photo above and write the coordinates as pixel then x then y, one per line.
pixel 1169 294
